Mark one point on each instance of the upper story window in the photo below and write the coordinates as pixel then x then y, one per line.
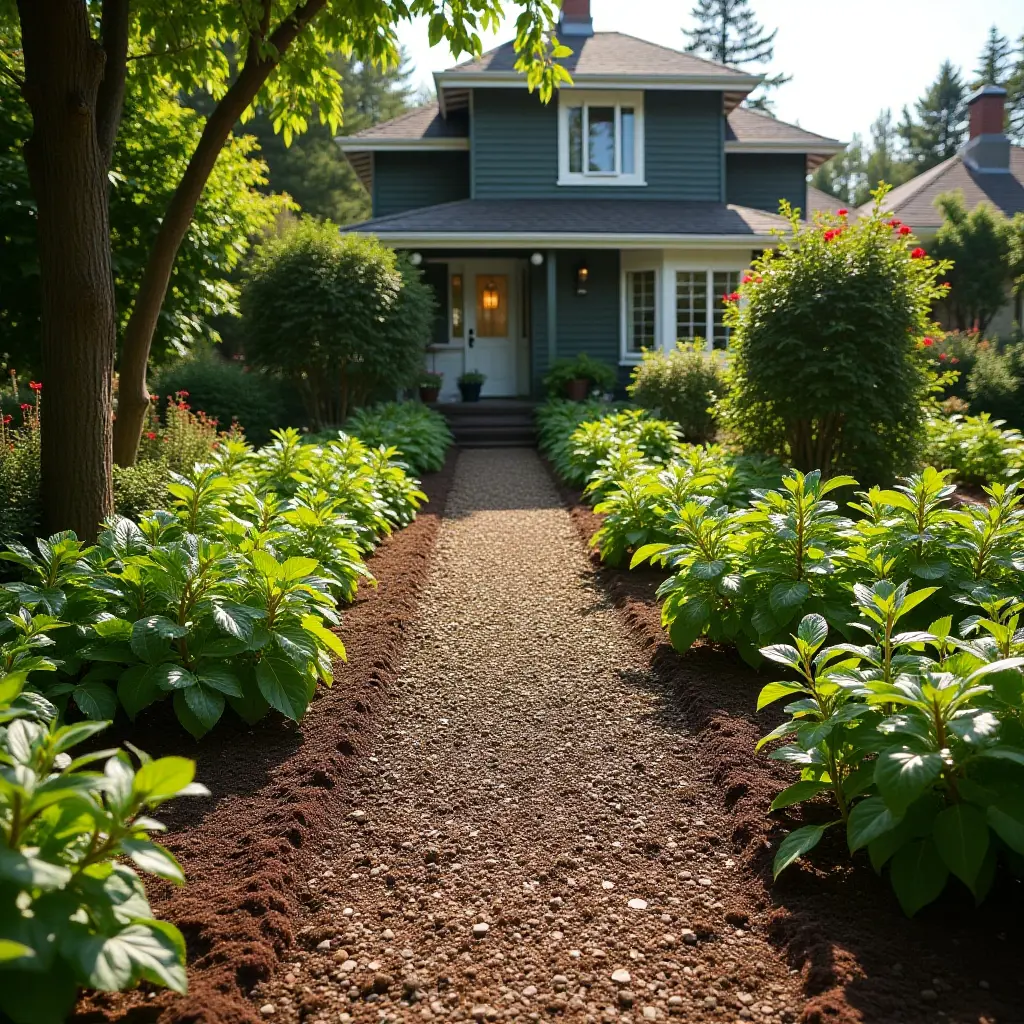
pixel 600 138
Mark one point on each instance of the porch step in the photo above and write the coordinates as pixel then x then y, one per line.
pixel 491 423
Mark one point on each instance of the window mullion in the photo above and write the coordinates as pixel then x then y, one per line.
pixel 618 139
pixel 709 280
pixel 586 139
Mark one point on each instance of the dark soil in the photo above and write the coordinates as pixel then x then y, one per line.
pixel 278 793
pixel 833 919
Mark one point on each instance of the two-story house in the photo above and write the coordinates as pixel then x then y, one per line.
pixel 610 220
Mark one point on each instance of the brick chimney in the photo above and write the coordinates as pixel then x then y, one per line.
pixel 576 19
pixel 988 149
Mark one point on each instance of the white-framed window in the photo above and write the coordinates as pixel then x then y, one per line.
pixel 600 138
pixel 641 310
pixel 700 309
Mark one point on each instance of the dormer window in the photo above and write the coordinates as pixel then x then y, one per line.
pixel 600 138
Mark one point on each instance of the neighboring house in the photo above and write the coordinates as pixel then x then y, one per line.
pixel 987 169
pixel 610 220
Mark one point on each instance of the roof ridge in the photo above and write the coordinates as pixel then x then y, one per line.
pixel 672 49
pixel 778 120
pixel 915 184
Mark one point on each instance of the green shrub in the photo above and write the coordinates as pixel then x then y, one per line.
pixel 141 487
pixel 682 385
pixel 220 598
pixel 73 908
pixel 227 391
pixel 996 383
pixel 616 444
pixel 828 366
pixel 19 473
pixel 976 448
pixel 600 376
pixel 342 318
pixel 420 435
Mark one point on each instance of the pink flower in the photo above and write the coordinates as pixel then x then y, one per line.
pixel 918 254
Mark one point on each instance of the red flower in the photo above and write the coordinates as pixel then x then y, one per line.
pixel 26 405
pixel 731 297
pixel 942 357
pixel 904 230
pixel 946 284
pixel 35 385
pixel 894 223
pixel 954 360
pixel 7 419
pixel 832 233
pixel 842 213
pixel 918 254
pixel 181 394
pixel 747 279
pixel 150 435
pixel 927 342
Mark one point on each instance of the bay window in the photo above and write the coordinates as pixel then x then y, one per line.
pixel 600 138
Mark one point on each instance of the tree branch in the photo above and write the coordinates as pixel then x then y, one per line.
pixel 114 22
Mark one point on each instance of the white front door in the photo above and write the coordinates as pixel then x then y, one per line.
pixel 492 328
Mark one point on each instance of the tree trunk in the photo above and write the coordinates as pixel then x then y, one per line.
pixel 133 396
pixel 63 71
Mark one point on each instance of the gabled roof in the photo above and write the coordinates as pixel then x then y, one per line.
pixel 753 126
pixel 602 60
pixel 567 223
pixel 821 202
pixel 416 125
pixel 914 201
pixel 606 53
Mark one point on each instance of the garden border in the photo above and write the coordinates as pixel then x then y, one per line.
pixel 885 970
pixel 280 790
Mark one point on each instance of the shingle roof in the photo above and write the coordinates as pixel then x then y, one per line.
pixel 914 200
pixel 745 125
pixel 559 217
pixel 606 53
pixel 822 202
pixel 424 122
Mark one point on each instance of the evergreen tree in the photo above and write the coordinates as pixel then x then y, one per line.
pixel 938 127
pixel 1015 96
pixel 844 175
pixel 728 32
pixel 994 64
pixel 884 161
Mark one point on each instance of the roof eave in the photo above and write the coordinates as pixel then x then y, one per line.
pixel 354 144
pixel 561 240
pixel 822 148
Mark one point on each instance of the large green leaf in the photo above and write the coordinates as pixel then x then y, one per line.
pixel 784 597
pixel 961 837
pixel 152 857
pixel 236 620
pixel 868 820
pixel 283 687
pixel 776 691
pixel 39 998
pixel 918 875
pixel 798 792
pixel 10 950
pixel 151 637
pixel 169 675
pixel 902 775
pixel 31 872
pixel 143 950
pixel 205 704
pixel 1006 818
pixel 796 844
pixel 137 689
pixel 220 678
pixel 164 777
pixel 96 700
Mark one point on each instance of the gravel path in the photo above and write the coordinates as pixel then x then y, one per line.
pixel 530 836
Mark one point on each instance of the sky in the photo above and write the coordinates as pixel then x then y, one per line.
pixel 848 60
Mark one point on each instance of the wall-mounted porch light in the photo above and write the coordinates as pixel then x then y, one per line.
pixel 537 259
pixel 416 258
pixel 582 279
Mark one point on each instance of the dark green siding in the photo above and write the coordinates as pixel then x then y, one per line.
pixel 515 148
pixel 586 323
pixel 760 180
pixel 407 181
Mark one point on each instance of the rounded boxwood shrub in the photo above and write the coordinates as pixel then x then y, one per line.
pixel 682 385
pixel 831 335
pixel 342 317
pixel 226 390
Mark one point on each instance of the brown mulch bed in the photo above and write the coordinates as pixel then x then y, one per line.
pixel 278 791
pixel 835 921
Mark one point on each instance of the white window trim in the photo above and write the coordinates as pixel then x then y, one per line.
pixel 712 298
pixel 587 98
pixel 627 356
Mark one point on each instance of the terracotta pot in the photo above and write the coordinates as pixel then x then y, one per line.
pixel 429 395
pixel 577 390
pixel 470 392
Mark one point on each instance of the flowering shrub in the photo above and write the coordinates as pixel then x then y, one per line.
pixel 828 368
pixel 19 464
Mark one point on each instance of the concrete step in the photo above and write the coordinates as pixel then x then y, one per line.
pixel 482 435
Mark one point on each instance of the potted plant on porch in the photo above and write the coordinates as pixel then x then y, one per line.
pixel 470 384
pixel 430 385
pixel 576 378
